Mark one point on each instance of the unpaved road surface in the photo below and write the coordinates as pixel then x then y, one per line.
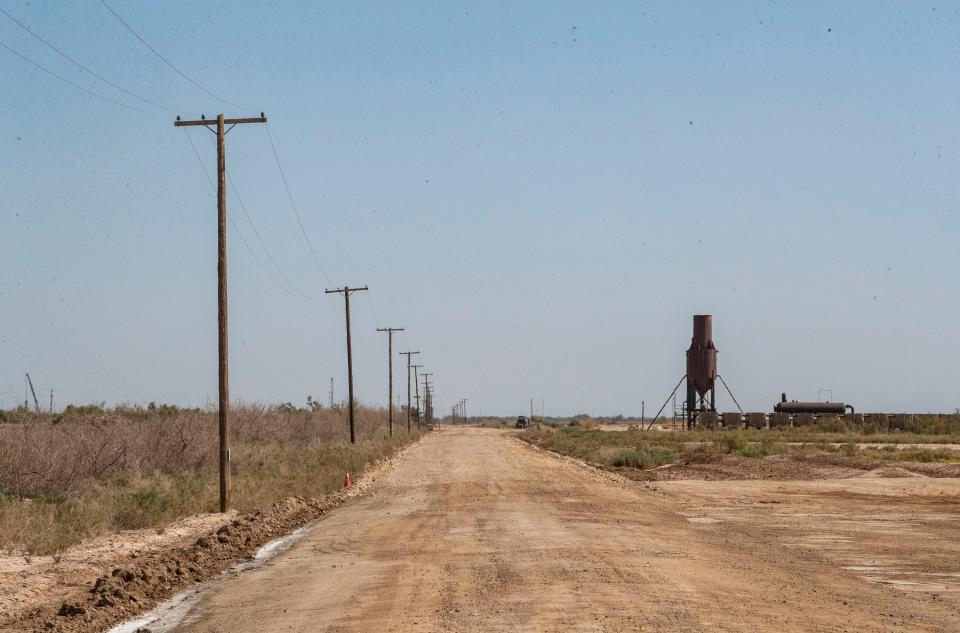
pixel 474 531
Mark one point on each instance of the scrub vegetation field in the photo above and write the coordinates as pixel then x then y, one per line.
pixel 93 471
pixel 932 448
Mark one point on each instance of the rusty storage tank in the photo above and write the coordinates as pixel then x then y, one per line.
pixel 702 355
pixel 701 368
pixel 817 408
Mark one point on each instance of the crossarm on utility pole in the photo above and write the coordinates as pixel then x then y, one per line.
pixel 205 122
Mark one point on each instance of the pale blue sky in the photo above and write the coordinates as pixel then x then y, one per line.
pixel 542 193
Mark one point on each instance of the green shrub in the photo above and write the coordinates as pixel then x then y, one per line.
pixel 832 425
pixel 649 458
pixel 735 442
pixel 141 508
pixel 926 455
pixel 752 450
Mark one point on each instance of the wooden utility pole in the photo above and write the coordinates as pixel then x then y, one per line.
pixel 416 385
pixel 390 331
pixel 428 397
pixel 36 403
pixel 345 291
pixel 223 373
pixel 408 355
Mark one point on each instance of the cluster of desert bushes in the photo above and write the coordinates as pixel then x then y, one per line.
pixel 636 448
pixel 93 470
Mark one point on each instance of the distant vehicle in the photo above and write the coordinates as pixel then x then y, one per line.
pixel 522 422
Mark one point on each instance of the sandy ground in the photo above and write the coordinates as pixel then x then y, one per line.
pixel 473 530
pixel 27 581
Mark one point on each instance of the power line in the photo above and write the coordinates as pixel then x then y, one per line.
pixel 293 205
pixel 82 67
pixel 234 224
pixel 374 311
pixel 303 231
pixel 165 60
pixel 266 250
pixel 75 85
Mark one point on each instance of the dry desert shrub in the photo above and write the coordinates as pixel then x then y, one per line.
pixel 92 471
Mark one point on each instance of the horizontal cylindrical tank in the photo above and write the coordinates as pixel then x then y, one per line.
pixel 819 408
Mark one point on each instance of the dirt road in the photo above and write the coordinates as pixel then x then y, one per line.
pixel 475 531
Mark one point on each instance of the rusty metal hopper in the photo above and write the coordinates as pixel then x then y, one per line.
pixel 702 355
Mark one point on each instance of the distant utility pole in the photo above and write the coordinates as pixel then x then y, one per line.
pixel 331 392
pixel 51 401
pixel 463 409
pixel 345 291
pixel 416 385
pixel 390 331
pixel 531 409
pixel 408 355
pixel 36 403
pixel 224 378
pixel 426 395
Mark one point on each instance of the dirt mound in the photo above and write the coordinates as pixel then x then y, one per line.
pixel 148 579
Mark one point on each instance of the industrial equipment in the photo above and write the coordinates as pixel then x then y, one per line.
pixel 817 408
pixel 701 377
pixel 701 368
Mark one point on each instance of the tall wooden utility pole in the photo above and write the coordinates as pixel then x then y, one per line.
pixel 416 385
pixel 224 377
pixel 345 291
pixel 408 355
pixel 390 331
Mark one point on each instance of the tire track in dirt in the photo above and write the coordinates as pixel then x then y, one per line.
pixel 473 531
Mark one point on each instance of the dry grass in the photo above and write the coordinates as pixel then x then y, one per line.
pixel 63 478
pixel 647 449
